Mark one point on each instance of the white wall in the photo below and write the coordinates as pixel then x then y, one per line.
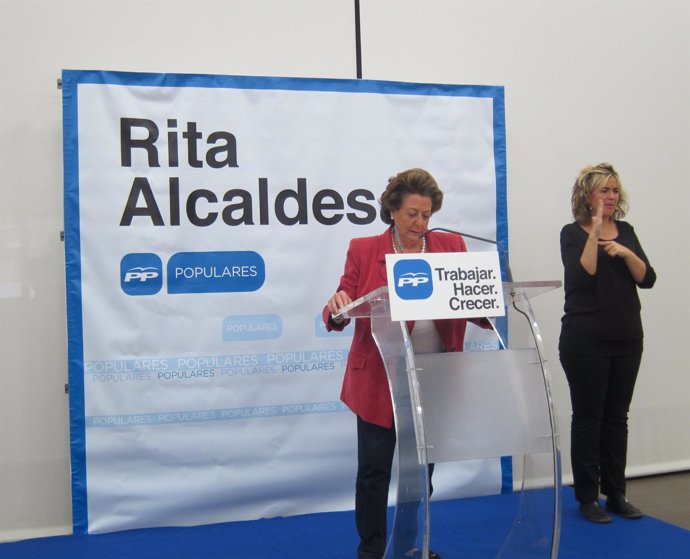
pixel 585 81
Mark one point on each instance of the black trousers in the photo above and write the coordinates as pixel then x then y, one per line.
pixel 375 450
pixel 601 389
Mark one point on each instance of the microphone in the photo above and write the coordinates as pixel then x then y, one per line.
pixel 509 274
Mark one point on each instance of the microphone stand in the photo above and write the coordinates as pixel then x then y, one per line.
pixel 509 273
pixel 504 254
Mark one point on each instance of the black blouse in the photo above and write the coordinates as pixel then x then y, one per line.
pixel 603 307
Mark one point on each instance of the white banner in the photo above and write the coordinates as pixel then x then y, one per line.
pixel 206 224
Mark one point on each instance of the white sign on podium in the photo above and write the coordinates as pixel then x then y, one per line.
pixel 444 285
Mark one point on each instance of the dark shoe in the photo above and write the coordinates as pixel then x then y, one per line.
pixel 594 513
pixel 622 507
pixel 416 554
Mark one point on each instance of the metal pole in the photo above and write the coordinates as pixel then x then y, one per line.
pixel 358 41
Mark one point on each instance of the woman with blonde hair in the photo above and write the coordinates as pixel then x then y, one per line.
pixel 600 344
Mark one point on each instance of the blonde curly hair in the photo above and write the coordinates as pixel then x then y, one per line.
pixel 590 179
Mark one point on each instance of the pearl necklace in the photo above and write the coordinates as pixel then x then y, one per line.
pixel 395 247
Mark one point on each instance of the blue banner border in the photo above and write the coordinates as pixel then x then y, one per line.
pixel 71 79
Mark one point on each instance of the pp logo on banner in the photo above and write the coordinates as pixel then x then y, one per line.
pixel 141 273
pixel 413 279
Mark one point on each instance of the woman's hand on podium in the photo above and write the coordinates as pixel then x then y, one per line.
pixel 337 302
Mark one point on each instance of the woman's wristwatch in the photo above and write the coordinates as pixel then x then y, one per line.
pixel 337 320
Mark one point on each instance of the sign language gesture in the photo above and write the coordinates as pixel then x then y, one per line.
pixel 598 217
pixel 603 202
pixel 612 248
pixel 589 253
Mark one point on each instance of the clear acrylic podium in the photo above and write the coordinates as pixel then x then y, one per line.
pixel 471 405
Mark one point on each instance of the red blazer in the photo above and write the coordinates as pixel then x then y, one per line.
pixel 365 386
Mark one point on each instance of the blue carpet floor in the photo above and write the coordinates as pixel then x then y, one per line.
pixel 332 536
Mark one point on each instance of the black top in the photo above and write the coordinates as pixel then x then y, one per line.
pixel 605 307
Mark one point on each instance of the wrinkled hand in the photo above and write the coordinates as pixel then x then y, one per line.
pixel 338 301
pixel 612 248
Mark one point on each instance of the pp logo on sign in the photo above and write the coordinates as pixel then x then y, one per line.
pixel 141 273
pixel 413 279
